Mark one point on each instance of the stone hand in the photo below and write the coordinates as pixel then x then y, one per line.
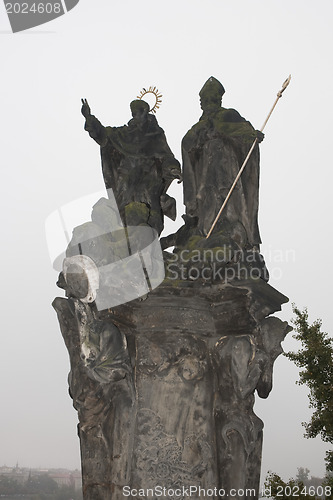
pixel 177 175
pixel 85 110
pixel 260 135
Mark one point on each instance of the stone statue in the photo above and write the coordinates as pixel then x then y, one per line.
pixel 213 152
pixel 165 384
pixel 137 165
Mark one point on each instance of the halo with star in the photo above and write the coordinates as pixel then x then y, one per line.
pixel 155 92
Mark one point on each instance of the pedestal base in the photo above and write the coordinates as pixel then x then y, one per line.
pixel 164 389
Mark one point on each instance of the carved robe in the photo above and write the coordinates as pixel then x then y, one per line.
pixel 137 165
pixel 213 152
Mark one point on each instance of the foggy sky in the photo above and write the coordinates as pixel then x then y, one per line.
pixel 106 52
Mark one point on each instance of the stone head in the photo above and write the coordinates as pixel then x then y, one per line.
pixel 140 110
pixel 211 95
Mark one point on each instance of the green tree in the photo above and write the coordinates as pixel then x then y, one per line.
pixel 315 359
pixel 294 489
pixel 303 474
pixel 9 486
pixel 42 485
pixel 68 493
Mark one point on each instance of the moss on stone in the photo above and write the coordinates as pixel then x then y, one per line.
pixel 136 213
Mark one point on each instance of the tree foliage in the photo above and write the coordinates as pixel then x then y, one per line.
pixel 315 359
pixel 294 489
pixel 39 487
pixel 41 484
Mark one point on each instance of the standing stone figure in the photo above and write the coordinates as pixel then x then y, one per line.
pixel 165 384
pixel 137 165
pixel 213 152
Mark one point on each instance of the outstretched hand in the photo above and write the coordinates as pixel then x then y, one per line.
pixel 260 136
pixel 85 110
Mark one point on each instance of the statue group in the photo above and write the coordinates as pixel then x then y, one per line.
pixel 164 384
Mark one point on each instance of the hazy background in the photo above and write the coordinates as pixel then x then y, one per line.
pixel 107 51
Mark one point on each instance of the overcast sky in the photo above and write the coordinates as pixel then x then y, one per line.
pixel 107 51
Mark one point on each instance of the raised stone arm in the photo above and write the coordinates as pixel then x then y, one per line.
pixel 85 110
pixel 93 126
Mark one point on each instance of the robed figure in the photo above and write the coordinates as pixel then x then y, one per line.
pixel 138 165
pixel 213 151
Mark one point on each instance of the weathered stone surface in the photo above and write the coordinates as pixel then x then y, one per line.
pixel 213 151
pixel 137 165
pixel 169 384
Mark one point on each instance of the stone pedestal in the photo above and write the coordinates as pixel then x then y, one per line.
pixel 164 388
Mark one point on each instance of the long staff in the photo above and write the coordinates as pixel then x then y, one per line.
pixel 279 94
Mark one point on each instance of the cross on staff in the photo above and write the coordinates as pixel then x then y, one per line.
pixel 279 94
